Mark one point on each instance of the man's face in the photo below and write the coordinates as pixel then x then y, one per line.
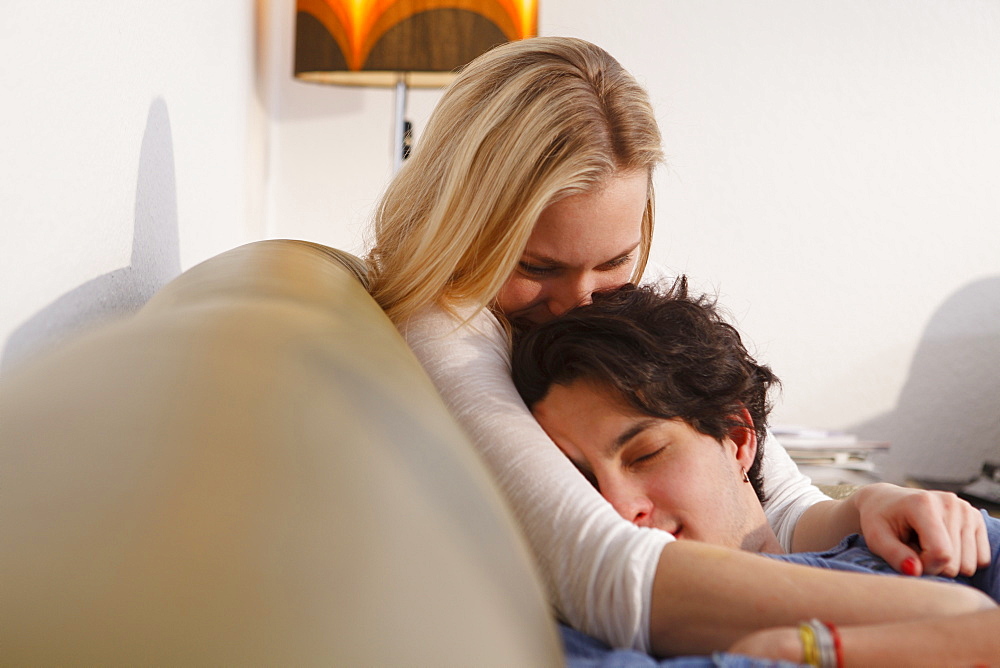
pixel 655 472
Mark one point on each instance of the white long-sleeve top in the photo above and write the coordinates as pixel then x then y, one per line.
pixel 598 568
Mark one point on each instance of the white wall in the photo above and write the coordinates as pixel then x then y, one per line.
pixel 128 136
pixel 832 171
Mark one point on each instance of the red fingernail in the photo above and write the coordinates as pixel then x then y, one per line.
pixel 909 566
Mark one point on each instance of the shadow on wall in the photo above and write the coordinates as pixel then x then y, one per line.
pixel 155 255
pixel 947 420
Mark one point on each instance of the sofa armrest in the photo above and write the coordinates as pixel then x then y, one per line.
pixel 253 469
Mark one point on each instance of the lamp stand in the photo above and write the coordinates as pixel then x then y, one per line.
pixel 401 127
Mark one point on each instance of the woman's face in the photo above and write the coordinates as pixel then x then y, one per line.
pixel 582 244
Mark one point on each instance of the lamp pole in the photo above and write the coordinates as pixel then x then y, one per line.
pixel 400 141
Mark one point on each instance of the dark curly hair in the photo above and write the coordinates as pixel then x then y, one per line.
pixel 665 353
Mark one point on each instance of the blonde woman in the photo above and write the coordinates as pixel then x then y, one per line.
pixel 531 189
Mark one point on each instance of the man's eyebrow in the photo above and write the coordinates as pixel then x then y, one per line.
pixel 634 430
pixel 546 259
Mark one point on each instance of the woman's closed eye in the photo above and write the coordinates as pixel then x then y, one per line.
pixel 536 270
pixel 617 262
pixel 542 270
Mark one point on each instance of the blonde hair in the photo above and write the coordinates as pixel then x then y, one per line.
pixel 523 126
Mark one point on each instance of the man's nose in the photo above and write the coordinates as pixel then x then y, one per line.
pixel 630 503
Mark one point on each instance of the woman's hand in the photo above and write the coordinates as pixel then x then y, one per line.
pixel 922 532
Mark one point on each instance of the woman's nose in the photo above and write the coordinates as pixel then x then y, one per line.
pixel 570 294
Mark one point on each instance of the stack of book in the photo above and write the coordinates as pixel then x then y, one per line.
pixel 831 457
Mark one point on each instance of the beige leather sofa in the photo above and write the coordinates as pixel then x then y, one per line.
pixel 253 470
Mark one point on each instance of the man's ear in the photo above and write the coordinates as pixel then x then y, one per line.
pixel 744 437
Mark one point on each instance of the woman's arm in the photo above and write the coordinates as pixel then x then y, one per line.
pixel 598 568
pixel 939 532
pixel 605 576
pixel 706 597
pixel 963 640
pixel 915 531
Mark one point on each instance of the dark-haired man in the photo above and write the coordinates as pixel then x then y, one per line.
pixel 656 400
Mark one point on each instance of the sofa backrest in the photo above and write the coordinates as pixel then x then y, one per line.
pixel 253 469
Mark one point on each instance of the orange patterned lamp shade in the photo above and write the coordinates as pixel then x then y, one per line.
pixel 373 42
